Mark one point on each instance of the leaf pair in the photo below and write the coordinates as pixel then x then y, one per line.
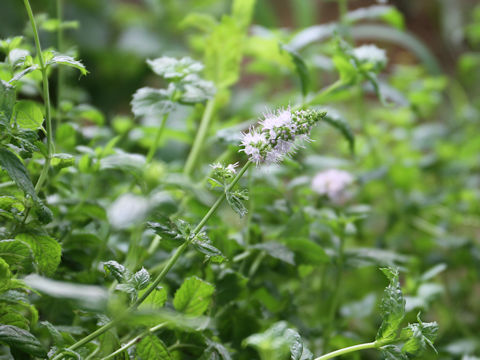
pixel 130 283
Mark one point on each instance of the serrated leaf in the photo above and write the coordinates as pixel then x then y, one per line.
pixel 28 115
pixel 16 253
pixel 22 340
pixel 7 102
pixel 223 53
pixel 171 68
pixel 17 171
pixel 155 300
pixel 194 296
pixel 54 333
pixel 148 101
pixel 419 336
pixel 141 279
pixel 392 352
pixel 195 90
pixel 68 61
pixel 152 348
pixel 392 308
pixel 342 126
pixel 119 272
pixel 24 72
pixel 47 251
pixel 211 252
pixel 5 275
pixel 300 68
pixel 235 201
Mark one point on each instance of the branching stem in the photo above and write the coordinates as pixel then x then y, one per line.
pixel 165 270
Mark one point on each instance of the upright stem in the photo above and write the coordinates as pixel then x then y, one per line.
pixel 165 270
pixel 347 350
pixel 46 98
pixel 158 135
pixel 336 292
pixel 60 72
pixel 200 138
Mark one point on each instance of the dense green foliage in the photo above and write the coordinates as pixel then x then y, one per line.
pixel 148 210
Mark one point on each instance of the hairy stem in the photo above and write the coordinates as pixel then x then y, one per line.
pixel 200 138
pixel 158 135
pixel 46 98
pixel 347 350
pixel 165 270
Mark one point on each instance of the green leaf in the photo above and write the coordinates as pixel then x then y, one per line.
pixel 68 61
pixel 47 251
pixel 150 102
pixel 202 22
pixel 16 253
pixel 392 308
pixel 5 275
pixel 392 352
pixel 119 272
pixel 7 102
pixel 419 336
pixel 223 53
pixel 28 115
pixel 307 251
pixel 210 251
pixel 17 171
pixel 235 200
pixel 155 300
pixel 277 251
pixel 341 125
pixel 194 296
pixel 195 90
pixel 242 12
pixel 300 68
pixel 141 279
pixel 61 161
pixel 171 68
pixel 152 348
pixel 24 72
pixel 22 340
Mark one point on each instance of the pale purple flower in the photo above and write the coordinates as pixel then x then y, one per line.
pixel 253 142
pixel 333 183
pixel 279 134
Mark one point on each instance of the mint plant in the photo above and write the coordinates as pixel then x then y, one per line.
pixel 226 179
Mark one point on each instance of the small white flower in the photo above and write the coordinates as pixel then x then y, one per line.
pixel 370 54
pixel 333 183
pixel 231 168
pixel 253 142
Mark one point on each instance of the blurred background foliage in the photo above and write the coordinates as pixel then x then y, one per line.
pixel 416 161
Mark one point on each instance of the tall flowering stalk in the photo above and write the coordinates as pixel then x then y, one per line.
pixel 277 136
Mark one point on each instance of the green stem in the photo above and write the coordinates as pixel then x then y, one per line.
pixel 166 269
pixel 158 135
pixel 370 345
pixel 133 341
pixel 46 97
pixel 60 72
pixel 336 292
pixel 200 138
